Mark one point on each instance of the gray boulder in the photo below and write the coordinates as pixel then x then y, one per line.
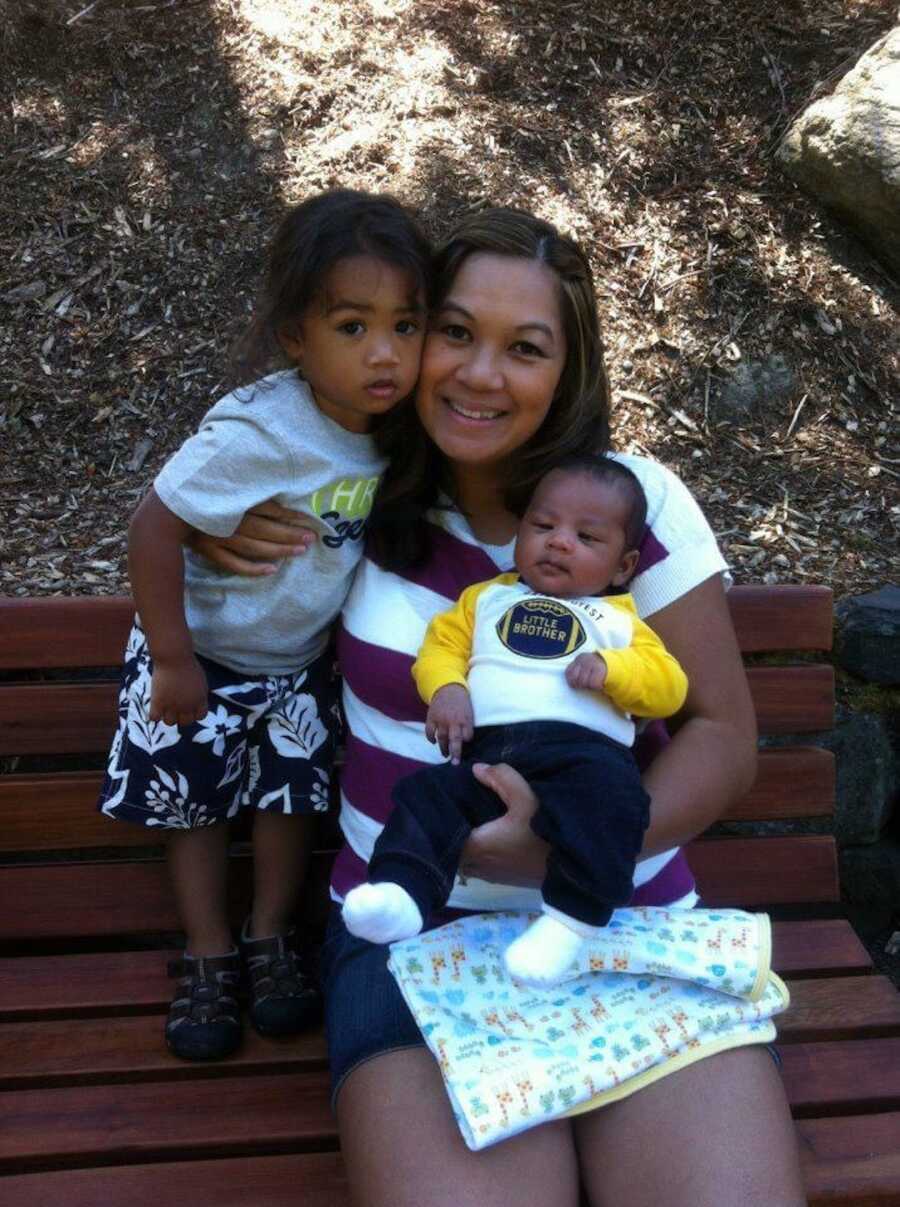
pixel 867 641
pixel 866 776
pixel 845 148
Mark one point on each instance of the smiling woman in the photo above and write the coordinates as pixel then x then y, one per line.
pixel 512 381
pixel 495 355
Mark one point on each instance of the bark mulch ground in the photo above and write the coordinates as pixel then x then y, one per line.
pixel 149 147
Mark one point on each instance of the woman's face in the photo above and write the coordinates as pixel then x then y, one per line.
pixel 492 360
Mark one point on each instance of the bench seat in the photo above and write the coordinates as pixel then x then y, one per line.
pixel 93 1109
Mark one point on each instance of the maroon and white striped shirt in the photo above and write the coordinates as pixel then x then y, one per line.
pixel 383 624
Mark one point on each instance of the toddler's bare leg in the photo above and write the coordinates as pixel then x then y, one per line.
pixel 281 849
pixel 198 863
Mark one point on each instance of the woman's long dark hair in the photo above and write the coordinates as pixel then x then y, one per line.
pixel 576 422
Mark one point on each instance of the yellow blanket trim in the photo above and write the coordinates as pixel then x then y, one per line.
pixel 630 1086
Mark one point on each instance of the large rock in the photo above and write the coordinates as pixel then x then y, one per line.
pixel 867 641
pixel 845 148
pixel 870 881
pixel 866 786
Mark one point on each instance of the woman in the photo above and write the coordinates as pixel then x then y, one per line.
pixel 512 379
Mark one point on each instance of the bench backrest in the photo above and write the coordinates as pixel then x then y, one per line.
pixel 73 872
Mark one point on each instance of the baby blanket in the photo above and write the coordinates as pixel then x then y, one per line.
pixel 657 990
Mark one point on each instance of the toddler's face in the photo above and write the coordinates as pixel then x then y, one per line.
pixel 571 540
pixel 359 345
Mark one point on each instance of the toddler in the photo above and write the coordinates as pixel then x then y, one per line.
pixel 228 698
pixel 546 671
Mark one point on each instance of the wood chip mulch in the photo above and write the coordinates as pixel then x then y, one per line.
pixel 148 149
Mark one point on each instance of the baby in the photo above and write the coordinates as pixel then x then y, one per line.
pixel 540 669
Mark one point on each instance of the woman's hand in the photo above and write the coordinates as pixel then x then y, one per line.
pixel 506 851
pixel 265 536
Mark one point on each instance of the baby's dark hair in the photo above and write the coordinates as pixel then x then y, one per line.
pixel 311 239
pixel 606 469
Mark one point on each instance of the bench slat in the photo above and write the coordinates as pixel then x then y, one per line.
pixel 119 982
pixel 106 899
pixel 310 1179
pixel 135 982
pixel 213 1116
pixel 792 699
pixel 57 718
pixel 836 1078
pixel 50 634
pixel 854 1160
pixel 796 782
pixel 80 718
pixel 100 1050
pixel 103 1051
pixel 840 1008
pixel 818 947
pixel 45 634
pixel 134 1123
pixel 57 811
pixel 765 871
pixel 789 617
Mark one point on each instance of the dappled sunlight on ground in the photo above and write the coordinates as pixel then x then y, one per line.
pixel 141 189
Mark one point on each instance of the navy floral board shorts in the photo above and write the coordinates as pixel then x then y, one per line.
pixel 267 742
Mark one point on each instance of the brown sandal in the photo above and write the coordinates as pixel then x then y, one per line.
pixel 284 996
pixel 204 1020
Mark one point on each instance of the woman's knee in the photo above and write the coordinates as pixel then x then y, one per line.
pixel 722 1137
pixel 402 1146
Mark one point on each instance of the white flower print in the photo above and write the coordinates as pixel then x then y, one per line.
pixel 318 796
pixel 136 644
pixel 234 767
pixel 147 735
pixel 254 771
pixel 216 727
pixel 256 705
pixel 118 778
pixel 296 731
pixel 168 796
pixel 282 794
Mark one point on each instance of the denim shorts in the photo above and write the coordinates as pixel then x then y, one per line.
pixel 365 1014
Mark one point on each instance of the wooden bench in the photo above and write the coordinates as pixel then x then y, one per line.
pixel 93 1110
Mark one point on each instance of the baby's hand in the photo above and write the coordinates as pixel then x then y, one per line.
pixel 587 671
pixel 179 694
pixel 450 720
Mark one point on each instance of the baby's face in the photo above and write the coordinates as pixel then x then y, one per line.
pixel 571 540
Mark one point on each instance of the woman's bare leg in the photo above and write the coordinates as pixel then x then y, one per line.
pixel 403 1148
pixel 716 1134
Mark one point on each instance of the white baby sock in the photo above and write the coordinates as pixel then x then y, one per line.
pixel 381 913
pixel 545 952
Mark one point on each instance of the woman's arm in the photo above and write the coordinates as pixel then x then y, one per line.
pixel 710 762
pixel 265 536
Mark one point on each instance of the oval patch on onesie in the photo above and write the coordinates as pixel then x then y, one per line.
pixel 540 628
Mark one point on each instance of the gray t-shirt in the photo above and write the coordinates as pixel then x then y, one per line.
pixel 261 442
